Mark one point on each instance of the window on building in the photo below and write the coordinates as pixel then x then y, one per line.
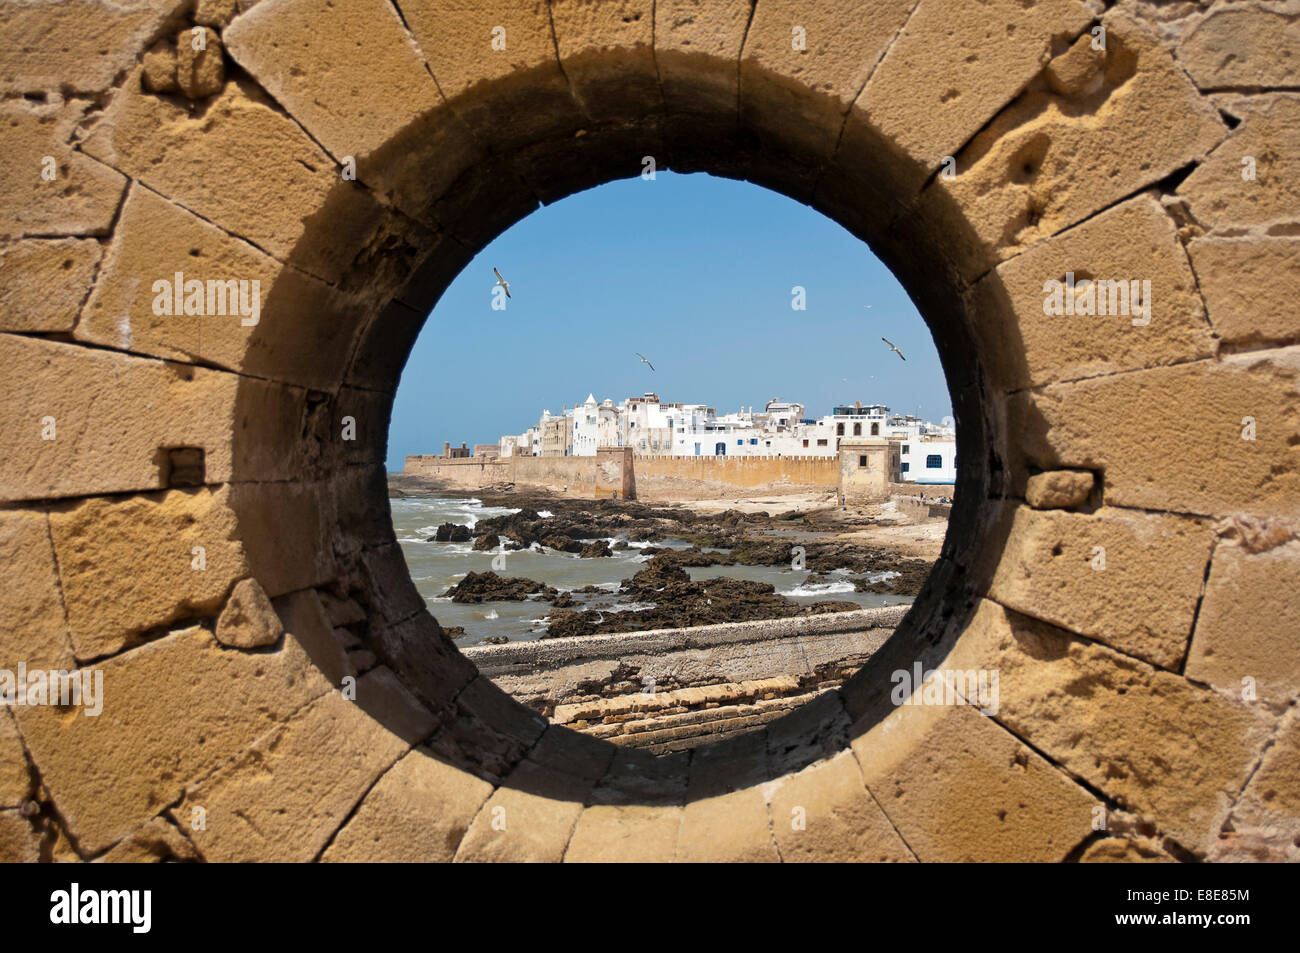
pixel 904 449
pixel 862 460
pixel 934 462
pixel 820 443
pixel 740 442
pixel 839 430
pixel 875 430
pixel 805 443
pixel 904 467
pixel 857 430
pixel 753 441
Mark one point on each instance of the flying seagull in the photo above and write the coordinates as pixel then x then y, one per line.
pixel 502 282
pixel 644 361
pixel 893 347
pixel 867 306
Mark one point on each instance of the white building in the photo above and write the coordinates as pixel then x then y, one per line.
pixel 928 460
pixel 595 425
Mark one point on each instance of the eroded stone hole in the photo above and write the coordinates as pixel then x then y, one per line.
pixel 663 483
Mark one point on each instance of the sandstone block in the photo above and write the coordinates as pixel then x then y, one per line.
pixel 630 833
pixel 15 782
pixel 1219 192
pixel 1188 453
pixel 75 45
pixel 20 840
pixel 244 166
pixel 35 629
pixel 1059 489
pixel 297 329
pixel 280 800
pixel 1249 285
pixel 248 621
pixel 52 189
pixel 790 49
pixel 156 842
pixel 959 787
pixel 200 71
pixel 1123 850
pixel 128 566
pixel 1131 580
pixel 112 772
pixel 825 813
pixel 1265 822
pixel 530 817
pixel 990 50
pixel 1172 753
pixel 726 828
pixel 1248 624
pixel 1243 45
pixel 418 812
pixel 1133 244
pixel 43 283
pixel 1049 161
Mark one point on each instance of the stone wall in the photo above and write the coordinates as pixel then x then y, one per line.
pixel 195 504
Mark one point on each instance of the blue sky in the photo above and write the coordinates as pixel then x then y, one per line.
pixel 693 271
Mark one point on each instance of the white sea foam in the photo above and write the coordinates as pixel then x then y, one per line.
pixel 819 589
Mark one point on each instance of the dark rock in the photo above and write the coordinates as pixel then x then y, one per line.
pixel 595 550
pixel 487 543
pixel 489 587
pixel 451 533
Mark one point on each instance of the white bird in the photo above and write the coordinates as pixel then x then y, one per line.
pixel 644 360
pixel 867 306
pixel 893 347
pixel 501 281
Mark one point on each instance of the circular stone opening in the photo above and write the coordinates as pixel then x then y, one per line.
pixel 684 557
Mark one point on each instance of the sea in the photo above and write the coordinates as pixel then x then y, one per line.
pixel 435 567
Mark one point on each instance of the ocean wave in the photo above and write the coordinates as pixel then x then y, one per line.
pixel 819 589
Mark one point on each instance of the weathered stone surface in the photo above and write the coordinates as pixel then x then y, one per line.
pixel 1248 624
pixel 20 840
pixel 463 44
pixel 200 71
pixel 1049 161
pixel 607 52
pixel 128 566
pixel 1250 286
pixel 156 842
pixel 727 828
pixel 1188 453
pixel 308 327
pixel 1172 753
pixel 836 62
pixel 35 629
pixel 1059 489
pixel 1122 850
pixel 302 614
pixel 268 183
pixel 958 787
pixel 15 782
pixel 1133 242
pixel 825 813
pixel 52 190
pixel 318 59
pixel 1245 44
pixel 248 621
pixel 279 800
pixel 1219 192
pixel 112 772
pixel 416 813
pixel 695 43
pixel 75 45
pixel 990 52
pixel 82 421
pixel 1141 600
pixel 1265 822
pixel 530 817
pixel 43 283
pixel 631 833
pixel 298 554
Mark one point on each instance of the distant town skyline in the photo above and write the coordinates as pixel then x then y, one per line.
pixel 697 274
